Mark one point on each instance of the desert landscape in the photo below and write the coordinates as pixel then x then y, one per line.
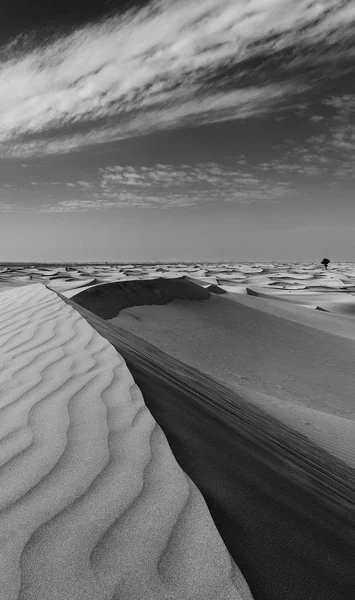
pixel 235 464
pixel 93 503
pixel 177 382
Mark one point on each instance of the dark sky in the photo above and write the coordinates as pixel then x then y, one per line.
pixel 220 129
pixel 23 18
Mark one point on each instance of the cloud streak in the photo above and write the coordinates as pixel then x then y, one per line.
pixel 168 186
pixel 162 186
pixel 159 67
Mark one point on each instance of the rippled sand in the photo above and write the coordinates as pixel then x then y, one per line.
pixel 93 504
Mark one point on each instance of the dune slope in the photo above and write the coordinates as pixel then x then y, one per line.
pixel 291 361
pixel 108 299
pixel 284 507
pixel 93 505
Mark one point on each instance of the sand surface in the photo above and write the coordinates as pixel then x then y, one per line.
pixel 253 389
pixel 276 279
pixel 299 371
pixel 93 505
pixel 284 506
pixel 106 300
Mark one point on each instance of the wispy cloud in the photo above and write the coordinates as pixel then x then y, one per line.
pixel 160 67
pixel 201 176
pixel 333 150
pixel 301 168
pixel 161 186
pixel 119 200
pixel 85 185
pixel 343 125
pixel 170 185
pixel 139 119
pixel 75 205
pixel 8 207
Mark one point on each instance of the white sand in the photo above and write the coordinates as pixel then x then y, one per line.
pixel 93 504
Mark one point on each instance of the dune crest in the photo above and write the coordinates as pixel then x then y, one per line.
pixel 93 504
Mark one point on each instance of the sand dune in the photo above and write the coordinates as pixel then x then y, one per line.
pixel 68 284
pixel 263 278
pixel 344 307
pixel 304 315
pixel 290 503
pixel 235 289
pixel 306 297
pixel 108 299
pixel 93 505
pixel 293 362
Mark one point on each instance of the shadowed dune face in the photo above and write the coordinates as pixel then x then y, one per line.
pixel 109 299
pixel 93 505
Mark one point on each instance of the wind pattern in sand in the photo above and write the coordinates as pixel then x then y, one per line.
pixel 93 505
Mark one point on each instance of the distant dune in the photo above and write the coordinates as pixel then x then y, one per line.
pixel 63 284
pixel 279 280
pixel 93 505
pixel 108 299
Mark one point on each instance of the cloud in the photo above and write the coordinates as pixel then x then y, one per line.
pixel 199 176
pixel 118 200
pixel 74 205
pixel 219 107
pixel 336 145
pixel 329 155
pixel 159 67
pixel 8 207
pixel 85 185
pixel 342 128
pixel 185 185
pixel 288 165
pixel 166 186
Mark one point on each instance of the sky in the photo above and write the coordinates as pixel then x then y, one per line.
pixel 177 130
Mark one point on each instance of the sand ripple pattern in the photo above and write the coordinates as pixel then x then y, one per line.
pixel 93 505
